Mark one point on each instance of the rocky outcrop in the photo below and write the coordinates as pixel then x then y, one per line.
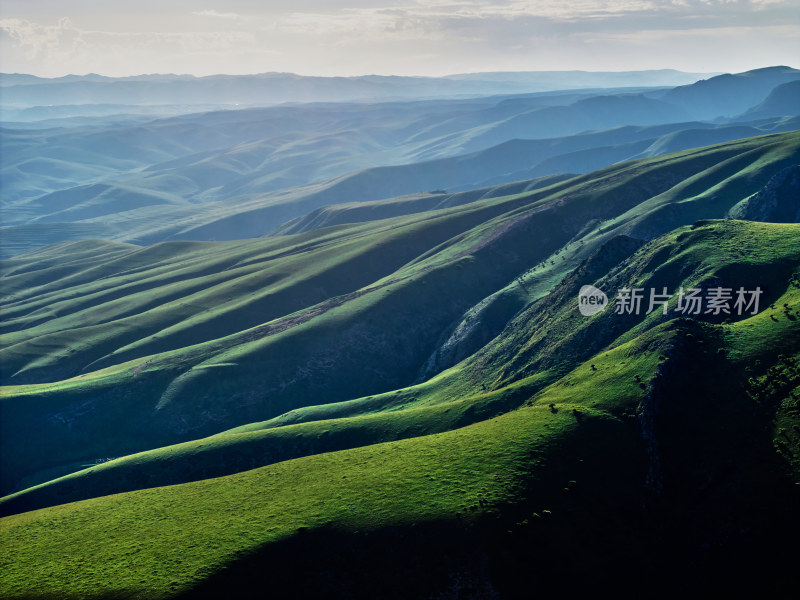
pixel 776 202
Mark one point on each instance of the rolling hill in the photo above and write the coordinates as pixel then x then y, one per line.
pixel 381 350
pixel 308 319
pixel 234 193
pixel 522 487
pixel 230 174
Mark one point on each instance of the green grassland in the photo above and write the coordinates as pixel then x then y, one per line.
pixel 550 465
pixel 542 343
pixel 418 392
pixel 468 471
pixel 144 334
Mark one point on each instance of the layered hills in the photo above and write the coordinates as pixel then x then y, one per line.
pixel 245 173
pixel 567 462
pixel 398 396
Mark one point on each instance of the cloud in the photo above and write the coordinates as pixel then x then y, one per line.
pixel 410 36
pixel 64 47
pixel 36 40
pixel 39 39
pixel 217 14
pixel 435 19
pixel 359 24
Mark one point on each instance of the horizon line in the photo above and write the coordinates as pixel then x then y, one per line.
pixel 365 75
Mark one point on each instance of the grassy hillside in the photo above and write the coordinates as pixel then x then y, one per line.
pixel 541 344
pixel 310 319
pixel 359 212
pixel 654 441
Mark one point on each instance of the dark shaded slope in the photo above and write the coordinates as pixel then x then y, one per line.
pixel 776 202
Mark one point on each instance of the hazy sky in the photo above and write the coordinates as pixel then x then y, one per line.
pixel 424 37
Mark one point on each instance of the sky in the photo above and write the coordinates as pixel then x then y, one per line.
pixel 413 37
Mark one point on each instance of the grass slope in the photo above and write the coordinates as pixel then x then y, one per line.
pixel 309 319
pixel 545 342
pixel 608 452
pixel 350 490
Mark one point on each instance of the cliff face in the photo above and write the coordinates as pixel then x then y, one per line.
pixel 776 202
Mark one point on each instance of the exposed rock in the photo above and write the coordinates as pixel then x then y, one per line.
pixel 486 320
pixel 776 202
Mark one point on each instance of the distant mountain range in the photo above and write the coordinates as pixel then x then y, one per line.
pixel 729 95
pixel 228 174
pixel 782 100
pixel 274 88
